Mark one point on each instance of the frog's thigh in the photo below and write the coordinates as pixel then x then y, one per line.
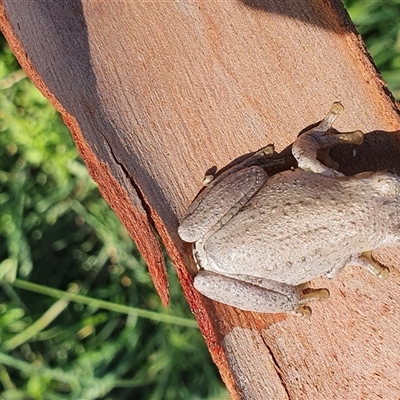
pixel 248 293
pixel 221 198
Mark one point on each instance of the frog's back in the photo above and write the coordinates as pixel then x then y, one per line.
pixel 303 224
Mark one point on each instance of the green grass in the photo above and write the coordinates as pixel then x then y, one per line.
pixel 378 21
pixel 79 316
pixel 82 320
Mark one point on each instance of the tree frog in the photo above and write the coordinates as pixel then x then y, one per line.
pixel 259 239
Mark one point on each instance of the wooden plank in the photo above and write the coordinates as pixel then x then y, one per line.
pixel 156 93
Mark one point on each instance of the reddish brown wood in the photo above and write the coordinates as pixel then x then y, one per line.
pixel 156 93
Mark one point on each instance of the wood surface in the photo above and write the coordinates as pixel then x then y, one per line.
pixel 156 93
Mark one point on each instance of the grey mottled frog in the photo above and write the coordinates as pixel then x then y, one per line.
pixel 260 239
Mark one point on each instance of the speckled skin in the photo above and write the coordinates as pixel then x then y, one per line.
pixel 258 239
pixel 301 225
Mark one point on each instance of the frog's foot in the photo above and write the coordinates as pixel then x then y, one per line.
pixel 303 311
pixel 267 151
pixel 208 178
pixel 309 145
pixel 308 294
pixel 366 261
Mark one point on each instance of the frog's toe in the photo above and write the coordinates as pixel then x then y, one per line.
pixel 308 145
pixel 336 109
pixel 303 311
pixel 208 178
pixel 267 151
pixel 309 294
pixel 354 137
pixel 332 138
pixel 366 260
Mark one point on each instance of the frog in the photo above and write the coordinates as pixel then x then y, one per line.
pixel 260 238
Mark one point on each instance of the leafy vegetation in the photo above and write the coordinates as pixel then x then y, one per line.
pixel 378 23
pixel 81 341
pixel 79 317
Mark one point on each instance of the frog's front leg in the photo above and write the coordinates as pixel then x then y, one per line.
pixel 219 201
pixel 305 149
pixel 256 294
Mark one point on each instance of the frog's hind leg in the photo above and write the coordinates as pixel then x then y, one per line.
pixel 256 294
pixel 219 202
pixel 308 146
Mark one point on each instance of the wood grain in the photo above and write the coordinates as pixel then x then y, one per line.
pixel 156 93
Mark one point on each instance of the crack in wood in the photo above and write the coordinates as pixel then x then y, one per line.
pixel 276 366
